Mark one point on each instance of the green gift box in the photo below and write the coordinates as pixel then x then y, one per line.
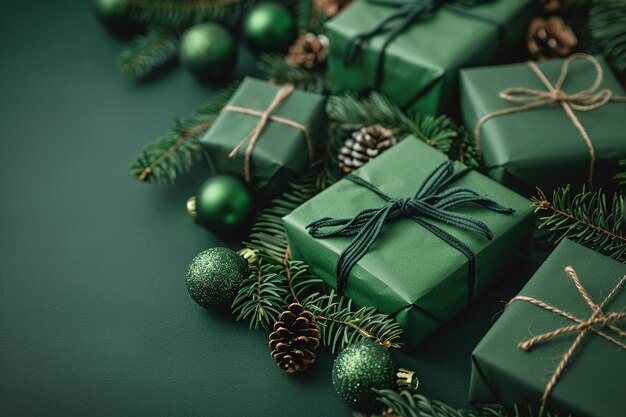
pixel 420 65
pixel 410 271
pixel 542 146
pixel 591 383
pixel 285 143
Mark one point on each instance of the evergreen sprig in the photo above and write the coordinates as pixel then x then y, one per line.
pixel 590 218
pixel 621 177
pixel 175 152
pixel 148 52
pixel 607 26
pixel 276 68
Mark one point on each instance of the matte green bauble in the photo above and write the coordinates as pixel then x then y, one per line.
pixel 359 368
pixel 269 27
pixel 114 14
pixel 214 277
pixel 223 205
pixel 208 51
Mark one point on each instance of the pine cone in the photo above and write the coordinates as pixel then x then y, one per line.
pixel 294 339
pixel 308 51
pixel 365 144
pixel 331 7
pixel 550 38
pixel 551 6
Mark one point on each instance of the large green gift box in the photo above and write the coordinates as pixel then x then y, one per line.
pixel 282 151
pixel 420 69
pixel 410 272
pixel 591 383
pixel 543 147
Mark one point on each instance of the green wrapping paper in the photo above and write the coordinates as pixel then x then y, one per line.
pixel 592 384
pixel 280 154
pixel 409 272
pixel 421 64
pixel 542 147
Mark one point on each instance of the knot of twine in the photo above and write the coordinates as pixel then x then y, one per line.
pixel 264 117
pixel 599 322
pixel 430 202
pixel 584 100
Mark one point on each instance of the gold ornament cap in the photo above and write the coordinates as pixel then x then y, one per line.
pixel 191 208
pixel 407 379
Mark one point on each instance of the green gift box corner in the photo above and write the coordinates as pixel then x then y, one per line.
pixel 280 154
pixel 420 69
pixel 592 383
pixel 409 272
pixel 542 147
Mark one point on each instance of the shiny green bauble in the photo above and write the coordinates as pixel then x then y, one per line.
pixel 223 205
pixel 114 14
pixel 208 51
pixel 269 27
pixel 214 277
pixel 359 368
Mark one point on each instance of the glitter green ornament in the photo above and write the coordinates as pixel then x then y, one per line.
pixel 208 51
pixel 359 368
pixel 269 27
pixel 214 277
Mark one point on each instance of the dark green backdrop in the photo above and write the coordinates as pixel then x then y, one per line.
pixel 94 316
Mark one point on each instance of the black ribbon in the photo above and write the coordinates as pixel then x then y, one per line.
pixel 430 202
pixel 408 11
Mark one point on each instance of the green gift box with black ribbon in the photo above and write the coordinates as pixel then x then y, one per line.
pixel 411 50
pixel 266 134
pixel 561 342
pixel 547 124
pixel 413 234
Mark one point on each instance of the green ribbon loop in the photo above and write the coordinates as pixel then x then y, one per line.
pixel 431 201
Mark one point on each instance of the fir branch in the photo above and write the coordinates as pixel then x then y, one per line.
pixel 350 109
pixel 175 152
pixel 607 26
pixel 621 177
pixel 148 52
pixel 588 218
pixel 277 69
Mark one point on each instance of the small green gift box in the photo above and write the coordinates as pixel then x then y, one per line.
pixel 266 134
pixel 420 265
pixel 527 135
pixel 561 342
pixel 420 45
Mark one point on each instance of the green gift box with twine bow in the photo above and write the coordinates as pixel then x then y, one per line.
pixel 561 342
pixel 411 50
pixel 413 234
pixel 547 124
pixel 266 134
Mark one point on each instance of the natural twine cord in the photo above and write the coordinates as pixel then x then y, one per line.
pixel 266 116
pixel 584 100
pixel 598 320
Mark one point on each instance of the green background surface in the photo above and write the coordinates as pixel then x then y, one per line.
pixel 95 319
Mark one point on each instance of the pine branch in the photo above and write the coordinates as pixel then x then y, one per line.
pixel 276 68
pixel 148 52
pixel 175 152
pixel 621 177
pixel 607 26
pixel 406 404
pixel 588 218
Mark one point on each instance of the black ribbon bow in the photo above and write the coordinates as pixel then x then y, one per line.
pixel 430 202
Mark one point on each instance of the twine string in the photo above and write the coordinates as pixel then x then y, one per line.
pixel 597 321
pixel 264 117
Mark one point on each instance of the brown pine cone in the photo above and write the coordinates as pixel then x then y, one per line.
pixel 331 7
pixel 550 38
pixel 294 339
pixel 551 6
pixel 308 52
pixel 365 144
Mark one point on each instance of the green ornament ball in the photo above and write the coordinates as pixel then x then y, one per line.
pixel 214 277
pixel 269 27
pixel 208 51
pixel 114 14
pixel 223 205
pixel 359 368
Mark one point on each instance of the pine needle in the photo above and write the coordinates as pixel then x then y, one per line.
pixel 148 52
pixel 607 26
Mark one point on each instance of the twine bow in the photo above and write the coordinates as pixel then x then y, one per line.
pixel 599 322
pixel 264 117
pixel 430 202
pixel 584 100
